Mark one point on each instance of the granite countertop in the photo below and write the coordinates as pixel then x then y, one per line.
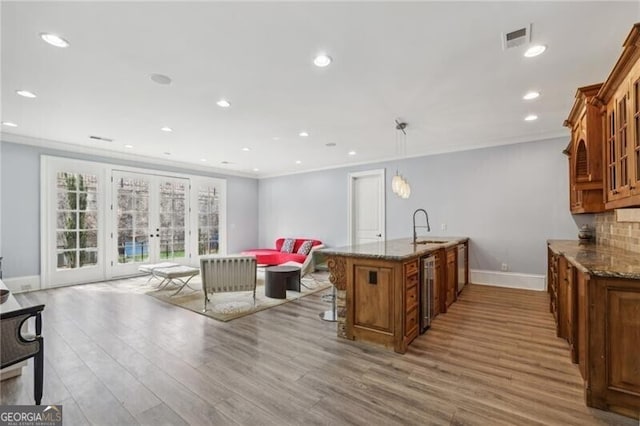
pixel 399 249
pixel 599 260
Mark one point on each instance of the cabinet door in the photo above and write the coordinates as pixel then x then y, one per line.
pixel 581 322
pixel 634 146
pixel 617 146
pixel 452 279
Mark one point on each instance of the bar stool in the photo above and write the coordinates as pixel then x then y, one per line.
pixel 332 314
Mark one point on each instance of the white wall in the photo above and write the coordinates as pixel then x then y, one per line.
pixel 509 200
pixel 20 205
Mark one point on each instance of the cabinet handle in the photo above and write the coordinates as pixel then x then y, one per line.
pixel 632 186
pixel 614 192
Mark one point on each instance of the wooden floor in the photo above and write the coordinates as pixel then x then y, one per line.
pixel 117 358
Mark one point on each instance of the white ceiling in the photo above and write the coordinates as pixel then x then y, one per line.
pixel 438 66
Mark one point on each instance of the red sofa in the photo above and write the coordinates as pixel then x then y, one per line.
pixel 276 257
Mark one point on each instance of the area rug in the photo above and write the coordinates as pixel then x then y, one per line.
pixel 232 305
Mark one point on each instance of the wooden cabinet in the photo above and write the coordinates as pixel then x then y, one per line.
pixel 552 280
pixel 600 319
pixel 382 299
pixel 620 99
pixel 585 152
pixel 437 285
pixel 411 300
pixel 451 275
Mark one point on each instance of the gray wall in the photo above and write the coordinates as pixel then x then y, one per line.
pixel 20 205
pixel 509 200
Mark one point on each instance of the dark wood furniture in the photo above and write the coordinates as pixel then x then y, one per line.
pixel 15 348
pixel 599 316
pixel 279 279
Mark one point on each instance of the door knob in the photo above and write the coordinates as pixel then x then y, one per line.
pixel 378 235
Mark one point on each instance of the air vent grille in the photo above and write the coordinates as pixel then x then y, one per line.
pixel 100 138
pixel 516 38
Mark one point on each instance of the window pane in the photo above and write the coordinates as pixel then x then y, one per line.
pixel 88 220
pixel 67 201
pixel 88 258
pixel 67 181
pixel 66 220
pixel 88 239
pixel 66 240
pixel 66 259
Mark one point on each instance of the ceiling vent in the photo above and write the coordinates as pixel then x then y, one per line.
pixel 516 38
pixel 100 138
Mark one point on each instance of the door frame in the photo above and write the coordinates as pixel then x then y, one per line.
pixel 351 192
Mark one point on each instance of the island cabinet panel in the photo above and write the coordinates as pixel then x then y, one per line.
pixel 373 288
pixel 383 295
pixel 581 322
pixel 451 276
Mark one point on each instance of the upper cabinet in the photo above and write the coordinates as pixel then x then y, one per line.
pixel 585 152
pixel 620 99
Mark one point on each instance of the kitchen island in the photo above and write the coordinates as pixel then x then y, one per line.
pixel 380 287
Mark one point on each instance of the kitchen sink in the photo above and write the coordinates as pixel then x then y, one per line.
pixel 430 242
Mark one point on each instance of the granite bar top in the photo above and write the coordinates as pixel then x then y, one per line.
pixel 400 249
pixel 599 260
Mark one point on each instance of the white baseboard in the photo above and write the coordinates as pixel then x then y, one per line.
pixel 22 284
pixel 508 279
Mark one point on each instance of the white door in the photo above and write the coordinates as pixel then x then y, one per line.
pixel 149 220
pixel 367 207
pixel 74 223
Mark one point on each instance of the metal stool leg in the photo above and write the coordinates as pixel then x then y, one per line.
pixel 332 315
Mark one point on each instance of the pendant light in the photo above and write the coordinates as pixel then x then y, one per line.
pixel 399 185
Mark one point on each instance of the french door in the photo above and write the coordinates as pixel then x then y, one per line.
pixel 74 223
pixel 149 220
pixel 100 221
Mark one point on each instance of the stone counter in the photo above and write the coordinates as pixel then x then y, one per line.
pixel 399 249
pixel 599 260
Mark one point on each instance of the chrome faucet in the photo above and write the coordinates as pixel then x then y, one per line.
pixel 415 234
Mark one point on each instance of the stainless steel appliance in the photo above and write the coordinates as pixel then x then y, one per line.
pixel 462 279
pixel 426 291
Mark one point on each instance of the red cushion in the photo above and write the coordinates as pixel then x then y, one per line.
pixel 273 257
pixel 298 243
pixel 276 257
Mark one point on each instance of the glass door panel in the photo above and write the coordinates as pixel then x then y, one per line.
pixel 73 225
pixel 208 220
pixel 173 213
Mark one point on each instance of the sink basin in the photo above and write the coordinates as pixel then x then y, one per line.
pixel 430 242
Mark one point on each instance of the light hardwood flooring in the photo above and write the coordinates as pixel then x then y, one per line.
pixel 117 358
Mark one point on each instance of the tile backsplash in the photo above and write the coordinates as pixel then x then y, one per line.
pixel 610 232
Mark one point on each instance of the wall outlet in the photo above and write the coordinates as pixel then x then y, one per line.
pixel 504 267
pixel 443 226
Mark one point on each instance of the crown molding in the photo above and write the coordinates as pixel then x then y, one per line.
pixel 513 141
pixel 118 155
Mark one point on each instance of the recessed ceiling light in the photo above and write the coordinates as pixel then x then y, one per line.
pixel 303 134
pixel 298 162
pixel 223 103
pixel 166 129
pixel 246 149
pixel 322 60
pixel 535 50
pixel 203 159
pixel 160 79
pixel 330 144
pixel 276 138
pixel 9 124
pixel 128 146
pixel 530 95
pixel 256 170
pixel 54 40
pixel 531 117
pixel 166 153
pixel 26 93
pixel 352 153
